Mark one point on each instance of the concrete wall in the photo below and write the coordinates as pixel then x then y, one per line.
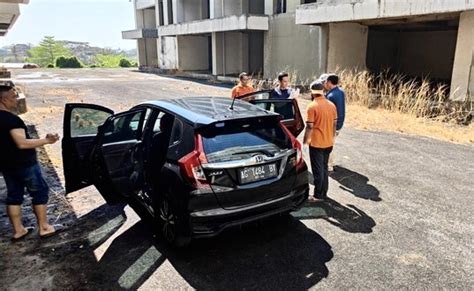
pixel 142 4
pixel 230 52
pixel 223 8
pixel 151 52
pixel 193 52
pixel 291 5
pixel 462 78
pixel 256 48
pixel 149 18
pixel 190 10
pixel 412 53
pixel 256 7
pixel 294 48
pixel 147 52
pixel 347 46
pixel 329 11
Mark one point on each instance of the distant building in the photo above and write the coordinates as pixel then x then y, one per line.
pixel 430 38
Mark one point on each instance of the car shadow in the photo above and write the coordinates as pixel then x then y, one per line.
pixel 280 253
pixel 350 218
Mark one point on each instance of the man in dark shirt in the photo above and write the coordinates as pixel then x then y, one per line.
pixel 19 166
pixel 337 96
pixel 284 91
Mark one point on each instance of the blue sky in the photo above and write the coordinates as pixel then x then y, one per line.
pixel 98 22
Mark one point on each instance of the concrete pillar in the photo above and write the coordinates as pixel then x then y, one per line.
pixel 176 12
pixel 217 8
pixel 244 52
pixel 166 8
pixel 463 76
pixel 347 46
pixel 141 51
pixel 217 54
pixel 270 7
pixel 157 13
pixel 139 19
pixel 169 53
pixel 212 7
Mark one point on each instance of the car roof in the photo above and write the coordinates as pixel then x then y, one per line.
pixel 203 111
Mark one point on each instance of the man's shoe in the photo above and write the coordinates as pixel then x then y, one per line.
pixel 313 199
pixel 17 239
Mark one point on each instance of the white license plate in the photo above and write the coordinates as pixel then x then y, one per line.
pixel 252 174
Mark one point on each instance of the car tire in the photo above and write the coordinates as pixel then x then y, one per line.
pixel 173 225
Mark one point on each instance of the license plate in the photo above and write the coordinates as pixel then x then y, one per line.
pixel 252 174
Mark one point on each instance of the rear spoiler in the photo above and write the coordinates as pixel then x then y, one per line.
pixel 241 120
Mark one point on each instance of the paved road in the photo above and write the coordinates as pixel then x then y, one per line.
pixel 399 216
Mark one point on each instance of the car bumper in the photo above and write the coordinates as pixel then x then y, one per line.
pixel 211 222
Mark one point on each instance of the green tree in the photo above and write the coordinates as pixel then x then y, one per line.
pixel 47 51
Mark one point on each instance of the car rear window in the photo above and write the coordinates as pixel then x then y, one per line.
pixel 240 140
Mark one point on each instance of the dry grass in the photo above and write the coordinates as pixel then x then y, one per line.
pixel 404 105
pixel 419 98
pixel 361 117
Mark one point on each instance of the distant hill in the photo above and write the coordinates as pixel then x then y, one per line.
pixel 82 50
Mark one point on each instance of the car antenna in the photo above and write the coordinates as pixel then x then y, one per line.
pixel 232 105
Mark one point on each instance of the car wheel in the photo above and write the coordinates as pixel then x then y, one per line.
pixel 173 227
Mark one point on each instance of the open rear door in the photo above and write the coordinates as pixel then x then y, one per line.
pixel 287 108
pixel 81 124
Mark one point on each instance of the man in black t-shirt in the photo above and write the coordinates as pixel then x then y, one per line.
pixel 19 166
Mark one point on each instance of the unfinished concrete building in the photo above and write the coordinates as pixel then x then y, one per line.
pixel 432 38
pixel 226 37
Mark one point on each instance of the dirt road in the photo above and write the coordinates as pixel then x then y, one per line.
pixel 400 214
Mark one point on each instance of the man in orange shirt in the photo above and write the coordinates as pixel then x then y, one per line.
pixel 244 86
pixel 320 131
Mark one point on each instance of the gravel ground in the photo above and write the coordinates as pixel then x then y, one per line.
pixel 399 216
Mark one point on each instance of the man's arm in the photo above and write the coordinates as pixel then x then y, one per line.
pixel 19 137
pixel 307 132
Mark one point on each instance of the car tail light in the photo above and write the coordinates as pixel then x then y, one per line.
pixel 191 166
pixel 296 145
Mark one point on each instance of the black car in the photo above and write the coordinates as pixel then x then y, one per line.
pixel 194 165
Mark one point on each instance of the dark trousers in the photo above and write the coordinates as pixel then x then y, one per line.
pixel 319 166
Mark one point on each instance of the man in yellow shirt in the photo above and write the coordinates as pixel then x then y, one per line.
pixel 319 135
pixel 244 86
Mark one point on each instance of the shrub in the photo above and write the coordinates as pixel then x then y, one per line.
pixel 124 63
pixel 71 62
pixel 50 66
pixel 93 66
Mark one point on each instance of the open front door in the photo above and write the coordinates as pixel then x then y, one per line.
pixel 81 124
pixel 287 108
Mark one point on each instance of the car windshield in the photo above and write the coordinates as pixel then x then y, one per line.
pixel 236 141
